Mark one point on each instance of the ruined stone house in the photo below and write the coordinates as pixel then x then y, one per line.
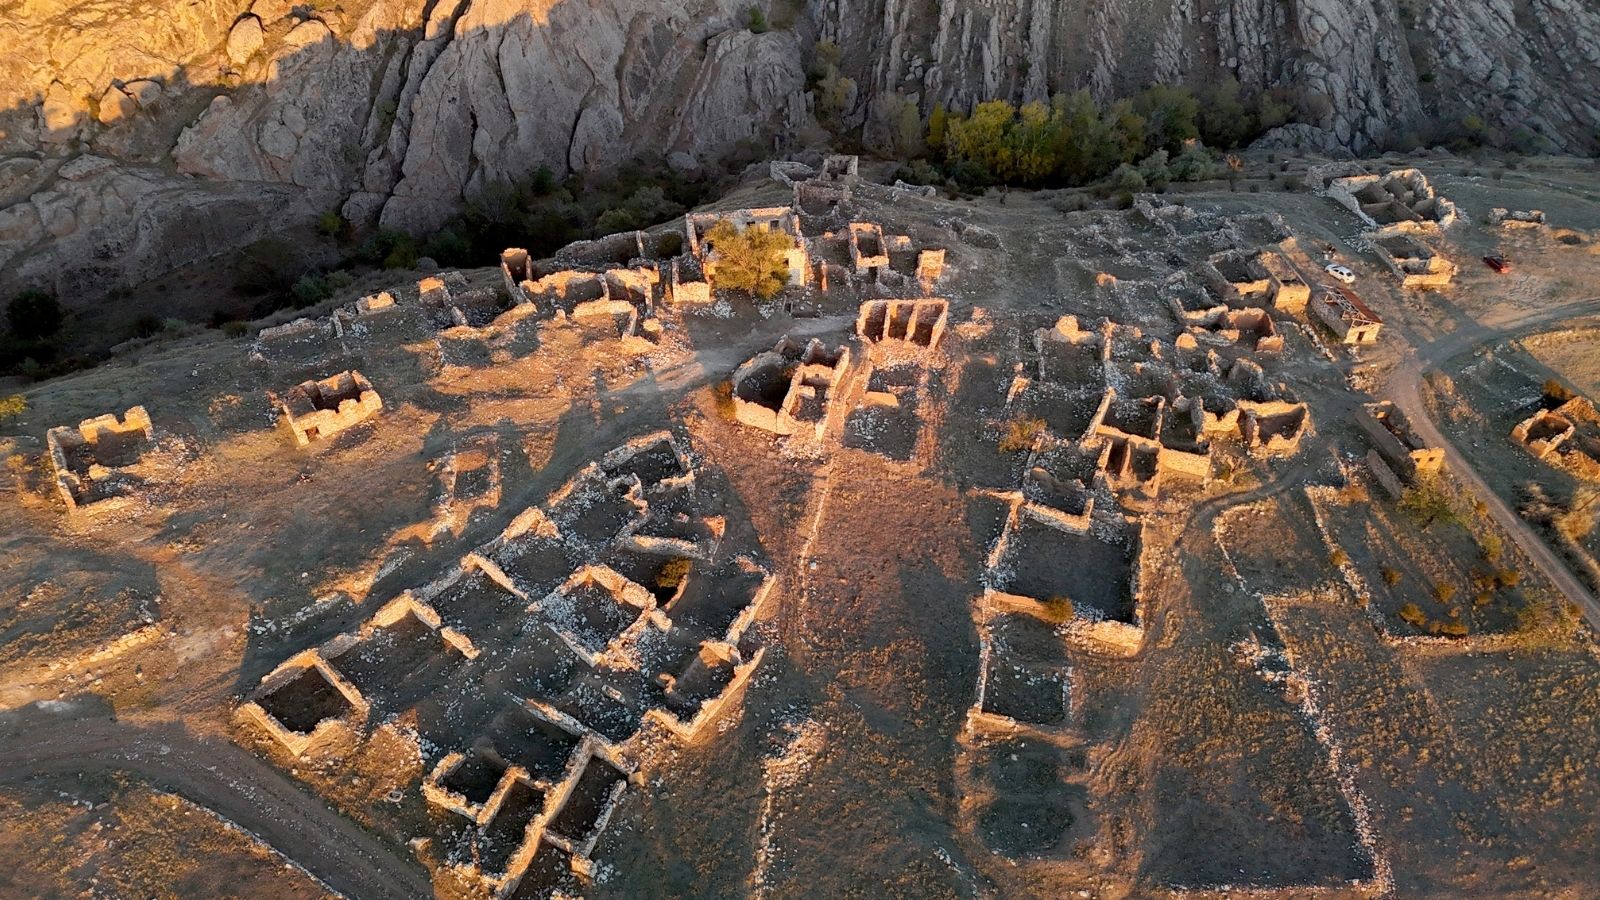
pixel 92 462
pixel 315 410
pixel 1400 446
pixel 789 390
pixel 917 323
pixel 1395 202
pixel 1412 262
pixel 1289 291
pixel 1350 320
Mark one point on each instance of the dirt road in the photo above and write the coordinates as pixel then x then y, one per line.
pixel 1404 387
pixel 81 738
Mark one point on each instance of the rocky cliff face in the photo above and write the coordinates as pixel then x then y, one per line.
pixel 1380 66
pixel 136 137
pixel 122 128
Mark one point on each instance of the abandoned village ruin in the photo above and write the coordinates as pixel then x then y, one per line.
pixel 1025 552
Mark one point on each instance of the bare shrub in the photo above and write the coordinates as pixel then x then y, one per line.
pixel 1021 434
pixel 1414 615
pixel 1491 547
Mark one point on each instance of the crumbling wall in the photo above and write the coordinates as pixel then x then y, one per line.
pixel 1234 275
pixel 1350 320
pixel 373 304
pixel 1399 201
pixel 298 734
pixel 1288 290
pixel 930 267
pixel 697 225
pixel 92 453
pixel 841 169
pixel 1386 426
pixel 704 707
pixel 619 249
pixel 1384 475
pixel 689 285
pixel 1191 304
pixel 314 410
pixel 1520 218
pixel 1273 428
pixel 867 248
pixel 1415 264
pixel 788 390
pixel 919 323
pixel 1544 432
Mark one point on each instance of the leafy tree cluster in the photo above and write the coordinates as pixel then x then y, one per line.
pixel 544 213
pixel 34 315
pixel 1144 141
pixel 834 92
pixel 1430 502
pixel 754 259
pixel 31 345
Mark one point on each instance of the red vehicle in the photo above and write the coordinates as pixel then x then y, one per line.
pixel 1497 263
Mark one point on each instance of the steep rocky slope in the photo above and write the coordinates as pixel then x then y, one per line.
pixel 137 137
pixel 1380 67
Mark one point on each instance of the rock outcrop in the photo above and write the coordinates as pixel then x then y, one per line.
pixel 398 112
pixel 1370 70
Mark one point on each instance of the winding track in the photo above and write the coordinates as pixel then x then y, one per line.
pixel 221 777
pixel 1404 387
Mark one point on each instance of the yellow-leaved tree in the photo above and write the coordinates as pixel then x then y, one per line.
pixel 755 259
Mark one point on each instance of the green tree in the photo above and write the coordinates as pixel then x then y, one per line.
pixel 1153 169
pixel 1127 178
pixel 836 95
pixel 34 315
pixel 1429 502
pixel 1171 117
pixel 1193 164
pixel 268 266
pixel 901 123
pixel 981 138
pixel 1272 109
pixel 754 260
pixel 330 223
pixel 613 221
pixel 1125 136
pixel 1225 121
pixel 1085 148
pixel 1034 147
pixel 938 121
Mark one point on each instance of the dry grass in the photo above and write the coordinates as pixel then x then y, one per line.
pixel 1021 434
pixel 135 842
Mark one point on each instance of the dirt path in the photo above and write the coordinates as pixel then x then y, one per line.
pixel 1404 387
pixel 220 777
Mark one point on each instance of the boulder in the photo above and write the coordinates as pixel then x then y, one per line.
pixel 245 39
pixel 59 115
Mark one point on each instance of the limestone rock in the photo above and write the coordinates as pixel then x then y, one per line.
pixel 1303 138
pixel 683 163
pixel 400 111
pixel 741 92
pixel 145 91
pixel 59 115
pixel 271 10
pixel 245 39
pixel 115 106
pixel 85 167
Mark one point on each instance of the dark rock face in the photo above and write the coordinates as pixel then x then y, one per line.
pixel 122 127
